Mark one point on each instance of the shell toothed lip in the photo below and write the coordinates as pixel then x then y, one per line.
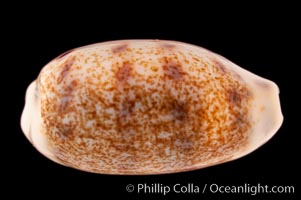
pixel 147 107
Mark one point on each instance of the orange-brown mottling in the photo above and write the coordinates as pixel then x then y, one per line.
pixel 123 74
pixel 66 68
pixel 219 65
pixel 119 48
pixel 172 69
pixel 151 109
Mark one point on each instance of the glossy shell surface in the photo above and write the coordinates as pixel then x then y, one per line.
pixel 147 107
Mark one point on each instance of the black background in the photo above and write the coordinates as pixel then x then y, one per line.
pixel 259 41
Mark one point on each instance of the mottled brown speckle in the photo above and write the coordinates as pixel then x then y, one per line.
pixel 219 65
pixel 173 69
pixel 142 109
pixel 179 110
pixel 119 48
pixel 234 97
pixel 66 67
pixel 123 74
